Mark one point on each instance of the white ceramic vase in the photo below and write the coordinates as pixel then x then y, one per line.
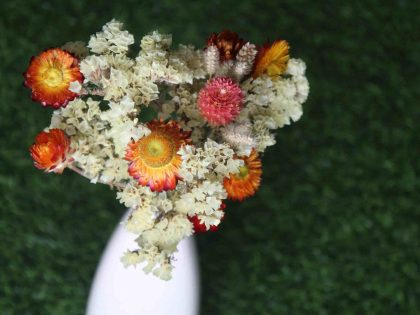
pixel 128 291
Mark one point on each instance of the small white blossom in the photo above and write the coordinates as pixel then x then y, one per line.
pixel 75 87
pixel 156 41
pixel 112 39
pixel 131 259
pixel 94 68
pixel 296 67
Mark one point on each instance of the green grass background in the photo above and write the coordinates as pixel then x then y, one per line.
pixel 335 227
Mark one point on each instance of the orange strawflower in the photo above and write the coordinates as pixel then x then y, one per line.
pixel 245 183
pixel 50 150
pixel 271 59
pixel 49 76
pixel 154 159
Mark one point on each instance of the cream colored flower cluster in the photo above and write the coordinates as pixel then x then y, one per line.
pixel 120 89
pixel 272 104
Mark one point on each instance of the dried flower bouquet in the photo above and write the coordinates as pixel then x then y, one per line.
pixel 214 112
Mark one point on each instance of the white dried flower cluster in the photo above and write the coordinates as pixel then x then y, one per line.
pixel 112 39
pixel 204 200
pixel 272 104
pixel 108 118
pixel 239 136
pixel 212 161
pixel 100 137
pixel 184 105
pixel 157 63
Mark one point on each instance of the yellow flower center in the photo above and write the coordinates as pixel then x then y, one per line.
pixel 243 172
pixel 156 150
pixel 53 77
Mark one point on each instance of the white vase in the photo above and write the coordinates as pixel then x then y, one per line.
pixel 128 291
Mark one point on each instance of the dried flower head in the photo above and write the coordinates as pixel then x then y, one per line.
pixel 272 59
pixel 245 183
pixel 50 150
pixel 154 161
pixel 211 59
pixel 220 101
pixel 49 76
pixel 239 136
pixel 244 61
pixel 229 43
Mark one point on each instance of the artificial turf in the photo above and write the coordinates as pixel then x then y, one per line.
pixel 334 228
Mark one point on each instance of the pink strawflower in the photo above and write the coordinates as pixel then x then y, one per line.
pixel 220 101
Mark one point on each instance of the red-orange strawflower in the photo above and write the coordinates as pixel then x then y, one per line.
pixel 271 59
pixel 245 183
pixel 228 43
pixel 200 227
pixel 154 161
pixel 49 76
pixel 50 150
